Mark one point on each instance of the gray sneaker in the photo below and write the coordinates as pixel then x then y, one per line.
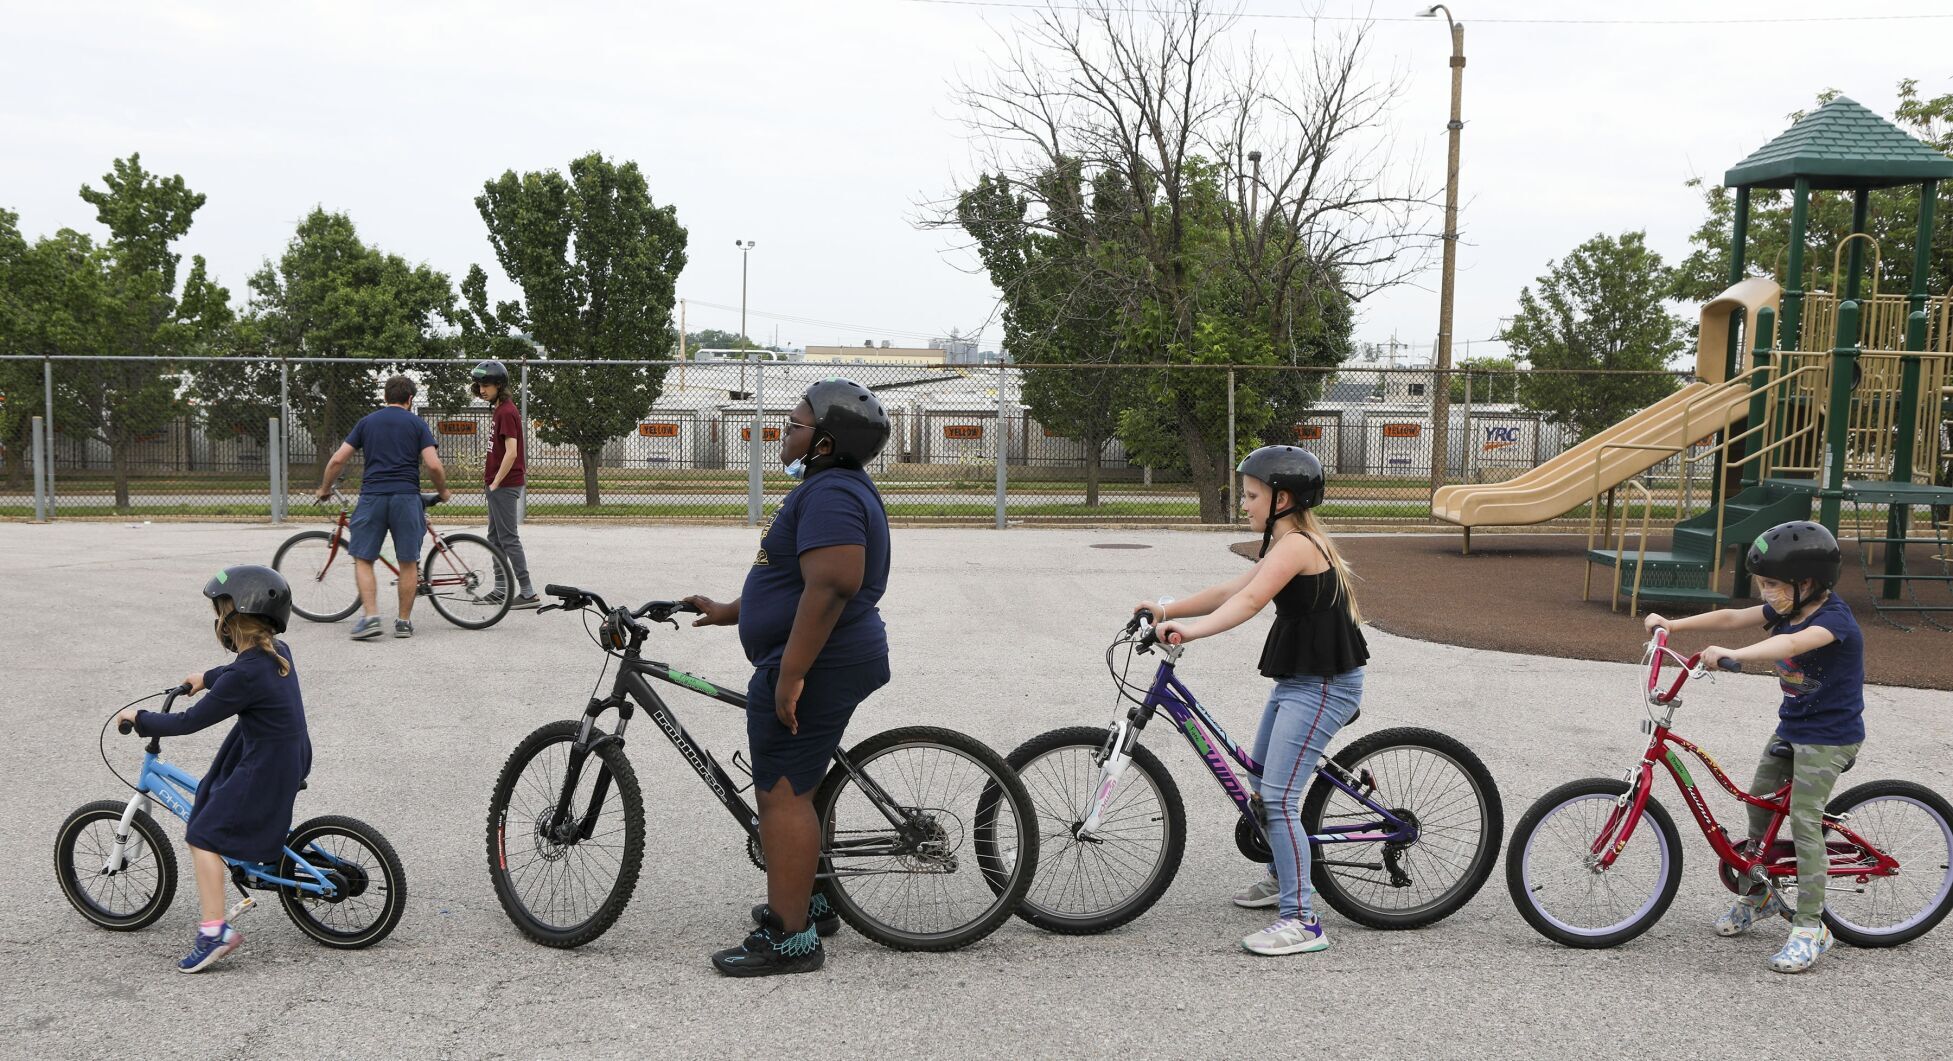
pixel 367 628
pixel 402 628
pixel 1288 936
pixel 1262 893
pixel 525 602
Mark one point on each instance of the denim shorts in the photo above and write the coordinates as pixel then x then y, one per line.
pixel 377 514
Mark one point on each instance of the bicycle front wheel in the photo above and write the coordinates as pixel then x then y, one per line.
pixel 1097 884
pixel 1551 869
pixel 469 581
pixel 1911 823
pixel 320 571
pixel 1433 782
pixel 565 886
pixel 129 898
pixel 928 843
pixel 369 884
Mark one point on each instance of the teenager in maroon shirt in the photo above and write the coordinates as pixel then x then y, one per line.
pixel 502 475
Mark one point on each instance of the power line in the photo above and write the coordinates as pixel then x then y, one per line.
pixel 1795 20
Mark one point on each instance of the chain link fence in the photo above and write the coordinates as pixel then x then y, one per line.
pixel 247 438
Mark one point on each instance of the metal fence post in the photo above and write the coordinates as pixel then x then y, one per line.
pixel 754 493
pixel 1227 491
pixel 275 464
pixel 1470 438
pixel 47 383
pixel 35 427
pixel 1003 449
pixel 522 499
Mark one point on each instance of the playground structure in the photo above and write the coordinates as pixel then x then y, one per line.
pixel 1840 400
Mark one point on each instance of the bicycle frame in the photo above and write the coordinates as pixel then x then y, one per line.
pixel 632 691
pixel 176 790
pixel 1851 855
pixel 1208 740
pixel 343 536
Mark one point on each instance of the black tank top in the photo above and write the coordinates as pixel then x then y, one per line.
pixel 1313 632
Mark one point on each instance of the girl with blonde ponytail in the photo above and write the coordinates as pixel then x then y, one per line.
pixel 1315 652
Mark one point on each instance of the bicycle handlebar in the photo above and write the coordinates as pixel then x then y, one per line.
pixel 660 611
pixel 1735 665
pixel 169 698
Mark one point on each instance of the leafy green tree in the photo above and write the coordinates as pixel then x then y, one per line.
pixel 1892 219
pixel 19 380
pixel 121 297
pixel 597 262
pixel 330 295
pixel 1495 381
pixel 1600 307
pixel 716 339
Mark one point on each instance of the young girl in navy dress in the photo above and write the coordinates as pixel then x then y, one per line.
pixel 243 807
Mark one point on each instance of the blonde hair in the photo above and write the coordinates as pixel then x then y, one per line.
pixel 1307 523
pixel 248 631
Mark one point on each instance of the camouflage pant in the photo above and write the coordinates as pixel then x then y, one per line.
pixel 1812 772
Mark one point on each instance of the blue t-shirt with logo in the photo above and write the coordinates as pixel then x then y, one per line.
pixel 835 506
pixel 1823 689
pixel 390 440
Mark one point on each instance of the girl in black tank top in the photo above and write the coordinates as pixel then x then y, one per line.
pixel 1315 652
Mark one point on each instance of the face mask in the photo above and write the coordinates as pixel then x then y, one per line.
pixel 797 470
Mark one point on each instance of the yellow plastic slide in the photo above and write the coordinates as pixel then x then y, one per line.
pixel 1692 413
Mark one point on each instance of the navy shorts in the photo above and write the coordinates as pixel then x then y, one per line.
pixel 377 514
pixel 826 704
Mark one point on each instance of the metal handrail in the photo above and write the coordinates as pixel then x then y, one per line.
pixel 1641 555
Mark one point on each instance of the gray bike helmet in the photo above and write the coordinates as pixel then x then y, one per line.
pixel 851 419
pixel 1286 468
pixel 488 372
pixel 254 590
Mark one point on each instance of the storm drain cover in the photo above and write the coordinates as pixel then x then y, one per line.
pixel 1120 545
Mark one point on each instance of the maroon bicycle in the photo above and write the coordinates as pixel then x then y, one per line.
pixel 464 577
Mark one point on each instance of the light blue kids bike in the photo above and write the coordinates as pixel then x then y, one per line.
pixel 338 879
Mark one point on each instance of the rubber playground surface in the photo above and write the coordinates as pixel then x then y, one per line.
pixel 998 634
pixel 1521 593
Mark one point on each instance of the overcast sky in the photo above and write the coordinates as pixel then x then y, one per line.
pixel 816 128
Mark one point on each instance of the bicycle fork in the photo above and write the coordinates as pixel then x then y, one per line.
pixel 580 750
pixel 1118 757
pixel 127 845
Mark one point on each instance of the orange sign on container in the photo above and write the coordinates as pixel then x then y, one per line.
pixel 1308 432
pixel 962 430
pixel 459 427
pixel 658 430
pixel 1402 430
pixel 770 434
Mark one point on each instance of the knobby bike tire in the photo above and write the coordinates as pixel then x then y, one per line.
pixel 344 557
pixel 1327 880
pixel 300 908
pixel 66 867
pixel 1516 863
pixel 1056 841
pixel 1003 784
pixel 502 832
pixel 428 570
pixel 1938 905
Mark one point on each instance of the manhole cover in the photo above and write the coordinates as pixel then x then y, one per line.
pixel 1120 545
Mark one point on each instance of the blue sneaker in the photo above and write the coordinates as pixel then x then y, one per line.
pixel 367 628
pixel 206 951
pixel 402 628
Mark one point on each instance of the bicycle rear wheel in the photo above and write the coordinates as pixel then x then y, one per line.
pixel 1550 872
pixel 320 574
pixel 461 579
pixel 962 856
pixel 1090 886
pixel 1913 824
pixel 370 884
pixel 134 896
pixel 566 888
pixel 1431 780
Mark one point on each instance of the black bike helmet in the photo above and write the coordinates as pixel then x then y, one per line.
pixel 1286 468
pixel 488 372
pixel 254 590
pixel 849 417
pixel 1795 551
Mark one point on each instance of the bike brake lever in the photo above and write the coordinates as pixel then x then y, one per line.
pixel 549 608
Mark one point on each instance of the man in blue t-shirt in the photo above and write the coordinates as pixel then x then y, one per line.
pixel 1819 656
pixel 395 443
pixel 808 621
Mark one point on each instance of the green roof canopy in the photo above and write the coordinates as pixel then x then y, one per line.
pixel 1841 145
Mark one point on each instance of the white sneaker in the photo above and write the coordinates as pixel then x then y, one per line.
pixel 1288 936
pixel 1261 894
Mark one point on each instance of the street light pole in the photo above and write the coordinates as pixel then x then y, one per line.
pixel 745 251
pixel 756 435
pixel 1441 400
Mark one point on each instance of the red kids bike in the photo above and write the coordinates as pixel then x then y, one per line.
pixel 1596 862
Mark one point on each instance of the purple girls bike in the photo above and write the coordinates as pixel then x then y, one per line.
pixel 1404 824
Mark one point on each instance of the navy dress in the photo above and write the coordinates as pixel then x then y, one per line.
pixel 244 804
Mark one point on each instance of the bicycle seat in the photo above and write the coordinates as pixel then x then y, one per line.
pixel 1354 717
pixel 1780 749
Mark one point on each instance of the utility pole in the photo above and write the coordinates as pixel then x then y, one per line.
pixel 1441 401
pixel 745 252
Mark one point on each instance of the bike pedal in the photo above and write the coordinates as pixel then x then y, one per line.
pixel 241 907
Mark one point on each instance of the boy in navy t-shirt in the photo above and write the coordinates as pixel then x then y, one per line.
pixel 808 621
pixel 395 443
pixel 1819 656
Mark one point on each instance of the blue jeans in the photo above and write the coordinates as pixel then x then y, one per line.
pixel 378 514
pixel 1303 713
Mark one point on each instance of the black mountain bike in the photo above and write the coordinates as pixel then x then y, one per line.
pixel 928 841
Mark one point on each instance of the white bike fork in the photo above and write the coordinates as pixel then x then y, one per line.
pixel 1109 774
pixel 128 844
